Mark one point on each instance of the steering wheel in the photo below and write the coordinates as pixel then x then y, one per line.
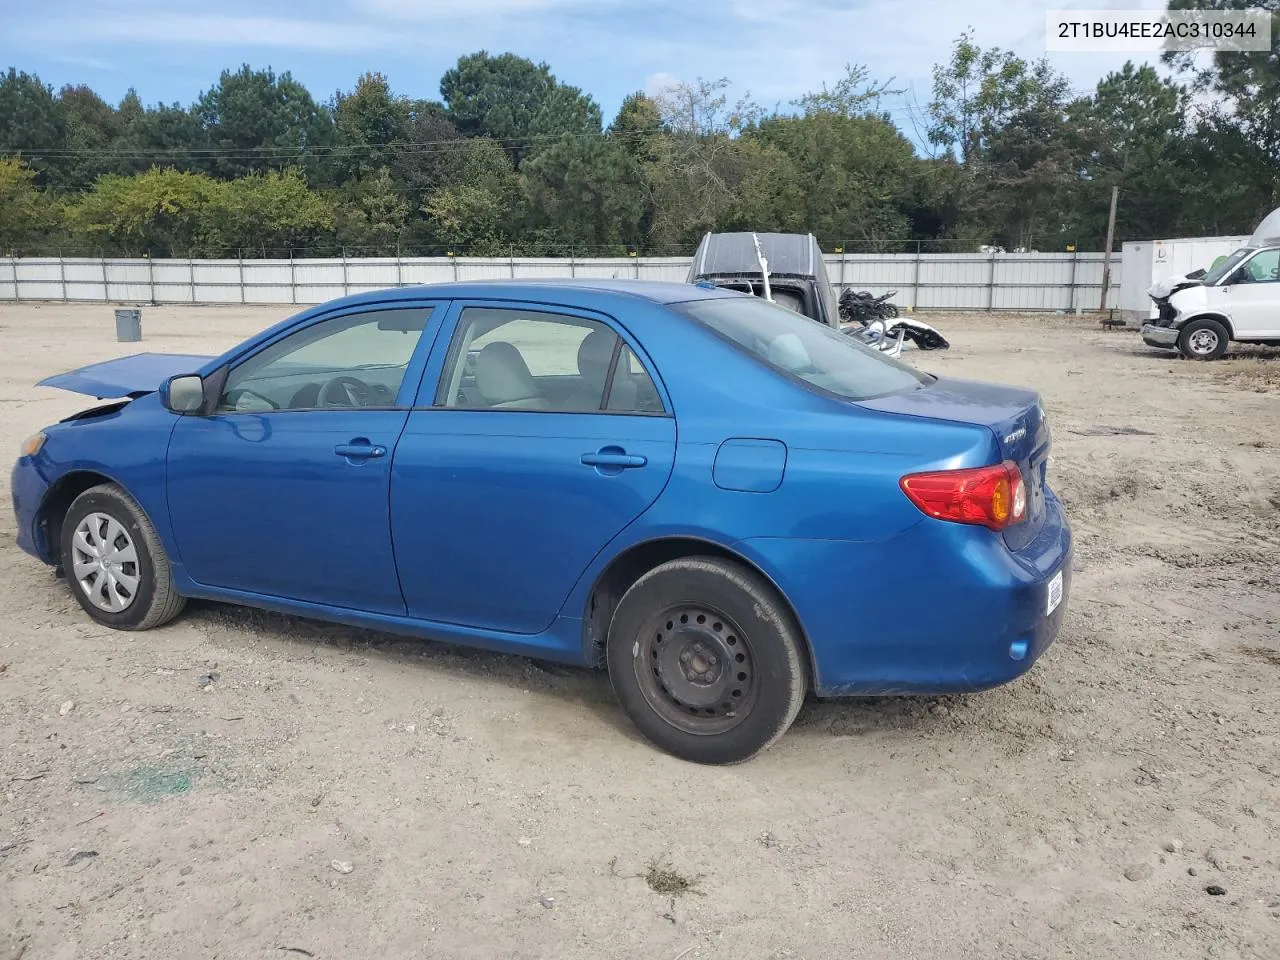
pixel 345 391
pixel 233 397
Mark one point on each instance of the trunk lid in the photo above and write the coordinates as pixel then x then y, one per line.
pixel 1013 414
pixel 132 376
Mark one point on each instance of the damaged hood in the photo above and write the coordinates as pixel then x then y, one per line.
pixel 1163 289
pixel 132 376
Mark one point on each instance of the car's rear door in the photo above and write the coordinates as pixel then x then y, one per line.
pixel 282 491
pixel 539 434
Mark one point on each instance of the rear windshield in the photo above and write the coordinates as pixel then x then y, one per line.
pixel 800 348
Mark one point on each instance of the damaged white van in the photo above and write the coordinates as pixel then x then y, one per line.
pixel 1237 299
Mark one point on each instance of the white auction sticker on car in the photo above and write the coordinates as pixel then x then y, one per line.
pixel 1055 593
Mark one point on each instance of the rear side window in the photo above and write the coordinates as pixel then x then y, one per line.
pixel 505 358
pixel 800 348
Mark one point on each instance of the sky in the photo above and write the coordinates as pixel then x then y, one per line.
pixel 172 50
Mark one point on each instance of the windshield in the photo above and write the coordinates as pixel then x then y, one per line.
pixel 802 349
pixel 1224 266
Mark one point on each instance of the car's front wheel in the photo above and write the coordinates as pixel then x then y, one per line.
pixel 115 562
pixel 1203 339
pixel 706 660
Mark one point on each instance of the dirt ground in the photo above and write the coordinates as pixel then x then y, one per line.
pixel 242 785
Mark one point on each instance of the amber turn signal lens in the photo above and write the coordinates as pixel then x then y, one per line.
pixel 31 446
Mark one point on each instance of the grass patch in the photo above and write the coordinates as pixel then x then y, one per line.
pixel 663 880
pixel 1250 368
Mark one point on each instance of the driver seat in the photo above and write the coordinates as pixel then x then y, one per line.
pixel 306 397
pixel 504 381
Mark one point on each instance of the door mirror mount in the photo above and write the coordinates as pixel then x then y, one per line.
pixel 183 394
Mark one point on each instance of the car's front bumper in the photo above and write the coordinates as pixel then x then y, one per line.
pixel 28 488
pixel 940 608
pixel 1159 336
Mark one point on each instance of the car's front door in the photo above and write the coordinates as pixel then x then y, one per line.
pixel 282 491
pixel 1254 296
pixel 544 436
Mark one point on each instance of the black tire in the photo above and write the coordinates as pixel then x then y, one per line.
pixel 704 614
pixel 1204 339
pixel 889 311
pixel 155 600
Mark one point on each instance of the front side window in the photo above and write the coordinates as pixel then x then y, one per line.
pixel 800 348
pixel 504 358
pixel 1224 267
pixel 1263 268
pixel 357 360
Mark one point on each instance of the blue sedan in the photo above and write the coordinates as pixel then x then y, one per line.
pixel 725 503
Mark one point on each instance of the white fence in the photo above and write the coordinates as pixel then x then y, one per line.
pixel 929 281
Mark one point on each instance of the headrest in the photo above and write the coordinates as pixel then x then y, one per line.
pixel 594 354
pixel 502 376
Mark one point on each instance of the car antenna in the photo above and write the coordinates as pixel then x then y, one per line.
pixel 764 267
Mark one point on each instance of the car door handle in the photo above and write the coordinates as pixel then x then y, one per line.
pixel 359 450
pixel 613 458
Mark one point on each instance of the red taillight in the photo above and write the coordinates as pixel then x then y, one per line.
pixel 993 497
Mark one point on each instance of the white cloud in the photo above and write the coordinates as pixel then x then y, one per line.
pixel 780 49
pixel 281 32
pixel 659 83
pixel 436 10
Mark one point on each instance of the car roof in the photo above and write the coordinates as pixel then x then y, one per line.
pixel 538 289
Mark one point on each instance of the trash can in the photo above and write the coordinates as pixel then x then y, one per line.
pixel 128 325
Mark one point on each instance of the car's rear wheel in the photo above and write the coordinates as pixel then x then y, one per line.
pixel 1203 339
pixel 706 660
pixel 115 563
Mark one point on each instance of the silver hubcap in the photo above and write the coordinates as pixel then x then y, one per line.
pixel 104 562
pixel 1203 341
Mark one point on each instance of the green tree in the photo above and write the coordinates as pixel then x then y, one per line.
pixel 1239 129
pixel 853 95
pixel 168 135
pixel 371 216
pixel 263 213
pixel 424 164
pixel 255 120
pixel 372 126
pixel 33 125
pixel 515 101
pixel 27 217
pixel 636 127
pixel 978 90
pixel 480 211
pixel 857 172
pixel 585 194
pixel 158 212
pixel 1133 134
pixel 769 194
pixel 93 129
pixel 1028 171
pixel 702 109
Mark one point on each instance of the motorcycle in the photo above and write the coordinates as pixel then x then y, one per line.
pixel 860 306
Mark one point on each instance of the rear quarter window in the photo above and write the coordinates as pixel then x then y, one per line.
pixel 795 346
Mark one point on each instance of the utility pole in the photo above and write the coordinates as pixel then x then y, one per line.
pixel 1106 264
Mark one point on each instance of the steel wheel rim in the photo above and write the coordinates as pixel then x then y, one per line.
pixel 695 669
pixel 104 563
pixel 1203 341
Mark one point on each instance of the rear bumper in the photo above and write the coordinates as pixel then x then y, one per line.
pixel 941 608
pixel 1159 336
pixel 28 489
